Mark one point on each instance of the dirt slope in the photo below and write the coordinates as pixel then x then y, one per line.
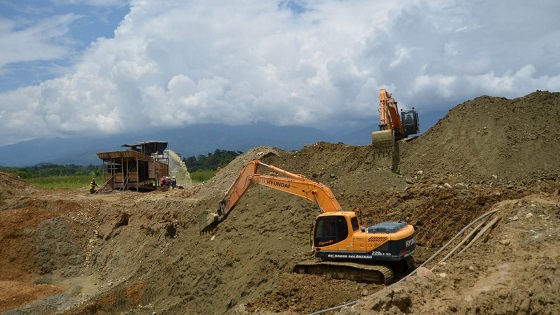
pixel 515 271
pixel 132 253
pixel 491 140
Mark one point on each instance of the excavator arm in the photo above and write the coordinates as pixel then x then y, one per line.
pixel 389 118
pixel 291 183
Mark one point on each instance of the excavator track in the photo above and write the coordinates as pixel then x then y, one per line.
pixel 410 264
pixel 379 274
pixel 402 267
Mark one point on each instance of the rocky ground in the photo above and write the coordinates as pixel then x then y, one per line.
pixel 69 252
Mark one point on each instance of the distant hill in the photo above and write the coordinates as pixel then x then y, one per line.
pixel 187 141
pixel 190 141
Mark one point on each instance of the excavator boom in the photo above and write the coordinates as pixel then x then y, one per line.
pixel 291 183
pixel 389 118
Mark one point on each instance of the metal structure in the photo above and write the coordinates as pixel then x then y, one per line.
pixel 138 168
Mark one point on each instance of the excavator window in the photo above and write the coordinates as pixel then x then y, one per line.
pixel 410 122
pixel 330 230
pixel 355 224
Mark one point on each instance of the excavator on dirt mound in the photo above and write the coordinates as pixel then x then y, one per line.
pixel 342 247
pixel 392 125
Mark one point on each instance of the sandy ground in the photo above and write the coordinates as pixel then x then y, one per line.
pixel 69 252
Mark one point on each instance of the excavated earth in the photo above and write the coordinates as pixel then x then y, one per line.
pixel 69 252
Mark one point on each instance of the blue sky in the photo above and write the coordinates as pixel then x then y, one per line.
pixel 47 36
pixel 86 67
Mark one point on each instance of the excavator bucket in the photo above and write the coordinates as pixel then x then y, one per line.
pixel 207 221
pixel 383 141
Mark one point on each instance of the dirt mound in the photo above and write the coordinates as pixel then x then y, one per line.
pixel 515 271
pixel 491 140
pixel 128 252
pixel 178 169
pixel 12 187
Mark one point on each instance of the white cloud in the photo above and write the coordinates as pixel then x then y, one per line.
pixel 44 40
pixel 174 63
pixel 401 54
pixel 100 3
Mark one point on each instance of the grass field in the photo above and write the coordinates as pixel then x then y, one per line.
pixel 202 175
pixel 70 182
pixel 81 181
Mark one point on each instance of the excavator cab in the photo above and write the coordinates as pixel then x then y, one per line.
pixel 350 251
pixel 410 122
pixel 330 230
pixel 339 235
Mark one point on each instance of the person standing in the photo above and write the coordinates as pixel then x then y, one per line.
pixel 92 186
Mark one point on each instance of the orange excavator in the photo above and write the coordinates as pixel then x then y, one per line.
pixel 392 125
pixel 342 247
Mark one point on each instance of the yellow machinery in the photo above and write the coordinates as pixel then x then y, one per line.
pixel 346 249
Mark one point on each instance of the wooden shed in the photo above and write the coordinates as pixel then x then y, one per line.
pixel 138 168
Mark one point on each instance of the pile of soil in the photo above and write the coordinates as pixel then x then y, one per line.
pixel 142 253
pixel 491 140
pixel 514 271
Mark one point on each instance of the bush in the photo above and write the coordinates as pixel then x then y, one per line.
pixel 202 175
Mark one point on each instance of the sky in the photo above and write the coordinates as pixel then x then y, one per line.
pixel 71 68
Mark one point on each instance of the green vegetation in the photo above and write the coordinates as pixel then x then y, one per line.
pixel 50 170
pixel 202 175
pixel 52 176
pixel 212 161
pixel 70 182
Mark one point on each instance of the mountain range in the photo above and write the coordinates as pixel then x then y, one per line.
pixel 188 141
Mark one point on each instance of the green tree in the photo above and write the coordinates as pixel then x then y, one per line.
pixel 51 170
pixel 211 161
